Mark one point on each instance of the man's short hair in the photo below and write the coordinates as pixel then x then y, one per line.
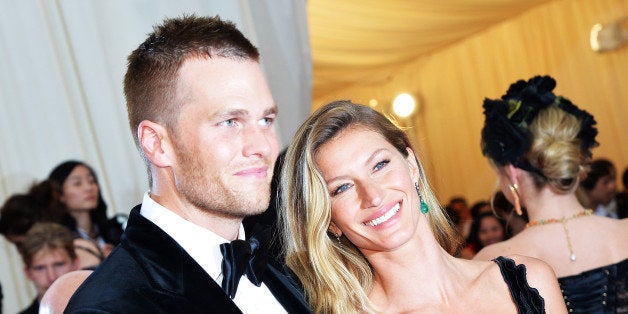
pixel 599 167
pixel 150 80
pixel 47 235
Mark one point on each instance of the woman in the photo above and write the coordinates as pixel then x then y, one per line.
pixel 486 229
pixel 540 145
pixel 364 233
pixel 83 209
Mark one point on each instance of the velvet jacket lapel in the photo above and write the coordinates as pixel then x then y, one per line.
pixel 171 269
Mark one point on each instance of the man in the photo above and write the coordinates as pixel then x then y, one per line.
pixel 202 117
pixel 600 188
pixel 48 253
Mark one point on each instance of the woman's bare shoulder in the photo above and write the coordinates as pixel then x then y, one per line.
pixel 497 249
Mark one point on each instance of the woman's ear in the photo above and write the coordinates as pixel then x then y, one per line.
pixel 512 173
pixel 412 164
pixel 155 143
pixel 334 229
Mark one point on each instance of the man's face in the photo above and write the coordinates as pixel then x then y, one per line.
pixel 224 138
pixel 48 265
pixel 604 190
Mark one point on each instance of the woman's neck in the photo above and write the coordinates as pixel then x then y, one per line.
pixel 83 221
pixel 547 204
pixel 417 264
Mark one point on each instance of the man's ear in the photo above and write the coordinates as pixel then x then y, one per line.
pixel 28 273
pixel 155 143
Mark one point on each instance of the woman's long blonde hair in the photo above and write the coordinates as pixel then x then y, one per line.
pixel 335 275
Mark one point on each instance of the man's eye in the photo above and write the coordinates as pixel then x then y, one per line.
pixel 340 189
pixel 267 121
pixel 230 122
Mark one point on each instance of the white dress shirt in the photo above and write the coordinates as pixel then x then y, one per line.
pixel 204 247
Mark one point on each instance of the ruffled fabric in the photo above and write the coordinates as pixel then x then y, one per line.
pixel 527 299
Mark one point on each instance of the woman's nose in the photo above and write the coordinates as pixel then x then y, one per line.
pixel 371 194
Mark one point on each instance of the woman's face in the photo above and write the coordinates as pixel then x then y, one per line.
pixel 374 202
pixel 80 190
pixel 490 231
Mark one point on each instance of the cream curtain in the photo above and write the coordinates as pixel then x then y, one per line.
pixel 61 69
pixel 451 82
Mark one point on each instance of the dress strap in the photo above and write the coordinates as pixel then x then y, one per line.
pixel 526 298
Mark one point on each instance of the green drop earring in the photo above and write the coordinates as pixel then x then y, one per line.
pixel 423 206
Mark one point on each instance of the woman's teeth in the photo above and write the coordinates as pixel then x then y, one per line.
pixel 384 217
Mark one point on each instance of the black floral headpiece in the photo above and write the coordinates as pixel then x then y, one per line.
pixel 505 136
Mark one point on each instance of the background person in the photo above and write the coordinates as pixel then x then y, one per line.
pixel 48 253
pixel 21 211
pixel 504 209
pixel 622 197
pixel 459 208
pixel 540 144
pixel 600 189
pixel 82 207
pixel 364 232
pixel 486 229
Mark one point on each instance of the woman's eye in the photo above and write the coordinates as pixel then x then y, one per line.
pixel 381 164
pixel 340 189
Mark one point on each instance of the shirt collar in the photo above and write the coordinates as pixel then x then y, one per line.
pixel 202 244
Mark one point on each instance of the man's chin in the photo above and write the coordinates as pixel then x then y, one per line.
pixel 255 211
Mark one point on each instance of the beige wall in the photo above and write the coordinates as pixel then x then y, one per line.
pixel 550 39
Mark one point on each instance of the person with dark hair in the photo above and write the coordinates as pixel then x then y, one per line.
pixel 504 209
pixel 48 253
pixel 486 229
pixel 459 208
pixel 600 189
pixel 540 146
pixel 364 232
pixel 622 197
pixel 479 207
pixel 84 210
pixel 21 211
pixel 202 117
pixel 40 204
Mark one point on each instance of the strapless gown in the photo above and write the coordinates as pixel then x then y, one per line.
pixel 599 290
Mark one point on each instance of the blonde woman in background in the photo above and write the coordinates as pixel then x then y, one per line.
pixel 364 232
pixel 540 145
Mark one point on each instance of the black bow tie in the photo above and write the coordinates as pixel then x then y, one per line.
pixel 243 257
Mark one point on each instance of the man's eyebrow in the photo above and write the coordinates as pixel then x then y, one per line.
pixel 271 110
pixel 245 113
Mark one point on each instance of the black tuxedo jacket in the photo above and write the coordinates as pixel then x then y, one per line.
pixel 151 273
